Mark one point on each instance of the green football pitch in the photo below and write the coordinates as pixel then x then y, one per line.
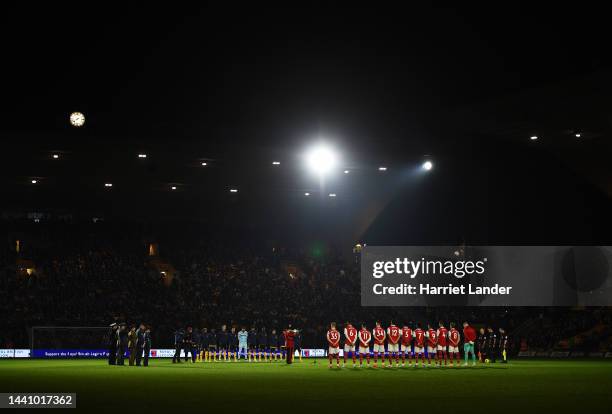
pixel 307 387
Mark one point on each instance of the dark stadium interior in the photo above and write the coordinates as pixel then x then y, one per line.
pixel 169 245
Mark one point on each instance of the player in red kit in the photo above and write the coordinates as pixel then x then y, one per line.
pixel 379 343
pixel 394 334
pixel 289 335
pixel 442 343
pixel 350 339
pixel 333 339
pixel 419 345
pixel 364 344
pixel 432 341
pixel 406 345
pixel 453 344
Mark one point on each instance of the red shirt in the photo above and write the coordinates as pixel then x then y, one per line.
pixel 442 335
pixel 350 335
pixel 431 337
pixel 394 334
pixel 289 337
pixel 406 336
pixel 333 338
pixel 469 334
pixel 453 337
pixel 419 337
pixel 379 335
pixel 364 338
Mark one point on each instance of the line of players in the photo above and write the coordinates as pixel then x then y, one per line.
pixel 442 344
pixel 227 345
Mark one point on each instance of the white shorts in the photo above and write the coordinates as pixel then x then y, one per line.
pixel 405 348
pixel 349 348
pixel 418 350
pixel 363 350
pixel 392 347
pixel 379 348
pixel 441 348
pixel 333 351
pixel 453 349
pixel 431 350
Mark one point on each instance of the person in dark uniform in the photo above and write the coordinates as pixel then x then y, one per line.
pixel 112 344
pixel 481 345
pixel 213 343
pixel 132 345
pixel 492 345
pixel 273 343
pixel 262 341
pixel 189 345
pixel 232 340
pixel 253 342
pixel 223 341
pixel 147 346
pixel 297 343
pixel 140 343
pixel 204 340
pixel 178 345
pixel 503 343
pixel 122 336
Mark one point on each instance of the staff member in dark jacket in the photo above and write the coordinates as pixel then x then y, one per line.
pixel 147 346
pixel 122 336
pixel 140 343
pixel 112 344
pixel 481 345
pixel 189 345
pixel 178 345
pixel 492 345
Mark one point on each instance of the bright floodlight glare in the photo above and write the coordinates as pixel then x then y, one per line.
pixel 55 156
pixel 275 162
pixel 382 168
pixel 427 165
pixel 332 194
pixel 533 137
pixel 142 155
pixel 577 134
pixel 173 187
pixel 108 185
pixel 321 159
pixel 307 194
pixel 233 190
pixel 204 164
pixel 34 181
pixel 346 171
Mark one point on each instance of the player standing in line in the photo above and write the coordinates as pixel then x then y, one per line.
pixel 453 344
pixel 406 345
pixel 333 339
pixel 442 338
pixel 469 336
pixel 419 344
pixel 364 344
pixel 350 339
pixel 394 334
pixel 432 341
pixel 379 343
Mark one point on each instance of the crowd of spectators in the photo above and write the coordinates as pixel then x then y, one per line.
pixel 94 274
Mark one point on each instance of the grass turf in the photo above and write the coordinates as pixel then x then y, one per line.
pixel 520 386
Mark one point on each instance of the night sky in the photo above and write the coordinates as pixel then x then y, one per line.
pixel 241 87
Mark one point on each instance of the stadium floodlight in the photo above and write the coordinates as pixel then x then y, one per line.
pixel 233 190
pixel 307 194
pixel 382 168
pixel 108 185
pixel 346 171
pixel 321 159
pixel 173 188
pixel 204 164
pixel 142 155
pixel 55 156
pixel 427 165
pixel 332 194
pixel 34 181
pixel 577 135
pixel 275 162
pixel 533 137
